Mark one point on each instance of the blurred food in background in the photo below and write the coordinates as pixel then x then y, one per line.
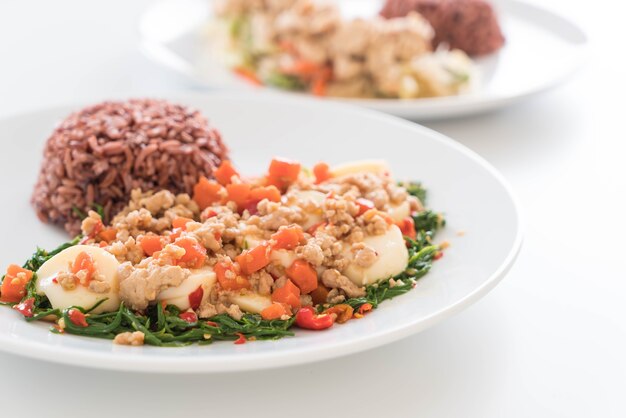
pixel 306 45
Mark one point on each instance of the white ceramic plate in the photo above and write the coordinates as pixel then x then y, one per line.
pixel 467 189
pixel 542 49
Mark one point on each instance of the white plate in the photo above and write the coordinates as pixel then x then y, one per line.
pixel 541 50
pixel 472 194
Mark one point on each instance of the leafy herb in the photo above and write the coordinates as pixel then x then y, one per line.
pixel 415 189
pixel 100 211
pixel 283 81
pixel 41 256
pixel 428 222
pixel 79 213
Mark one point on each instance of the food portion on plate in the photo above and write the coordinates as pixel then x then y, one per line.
pixel 469 25
pixel 99 154
pixel 306 45
pixel 235 258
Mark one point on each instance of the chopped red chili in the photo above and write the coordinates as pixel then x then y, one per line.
pixel 366 307
pixel 307 318
pixel 195 298
pixel 77 318
pixel 26 307
pixel 190 317
pixel 241 339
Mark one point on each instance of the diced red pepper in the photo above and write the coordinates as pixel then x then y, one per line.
pixel 321 172
pixel 270 193
pixel 85 263
pixel 283 172
pixel 254 259
pixel 274 311
pixel 307 318
pixel 303 275
pixel 195 253
pixel 26 307
pixel 13 287
pixel 206 192
pixel 195 298
pixel 240 194
pixel 77 318
pixel 229 278
pixel 407 227
pixel 181 222
pixel 225 172
pixel 150 244
pixel 211 323
pixel 288 238
pixel 108 234
pixel 289 294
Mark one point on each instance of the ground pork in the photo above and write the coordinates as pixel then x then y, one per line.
pixel 335 296
pixel 99 286
pixel 231 310
pixel 280 282
pixel 130 250
pixel 272 215
pixel 209 234
pixel 335 280
pixel 207 310
pixel 340 211
pixel 91 225
pixel 364 256
pixel 129 338
pixel 140 286
pixel 374 222
pixel 67 280
pixel 261 282
pixel 152 212
pixel 311 252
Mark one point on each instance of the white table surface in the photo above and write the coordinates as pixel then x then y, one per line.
pixel 549 341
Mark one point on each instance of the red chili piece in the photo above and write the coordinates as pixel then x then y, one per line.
pixel 364 205
pixel 307 318
pixel 438 255
pixel 211 323
pixel 77 318
pixel 366 307
pixel 241 339
pixel 190 317
pixel 26 307
pixel 195 298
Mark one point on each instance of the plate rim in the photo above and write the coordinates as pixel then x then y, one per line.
pixel 424 109
pixel 181 365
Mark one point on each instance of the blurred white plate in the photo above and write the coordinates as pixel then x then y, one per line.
pixel 541 50
pixel 470 192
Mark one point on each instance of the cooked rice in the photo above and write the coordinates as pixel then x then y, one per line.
pixel 97 155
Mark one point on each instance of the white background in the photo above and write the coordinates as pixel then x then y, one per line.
pixel 549 341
